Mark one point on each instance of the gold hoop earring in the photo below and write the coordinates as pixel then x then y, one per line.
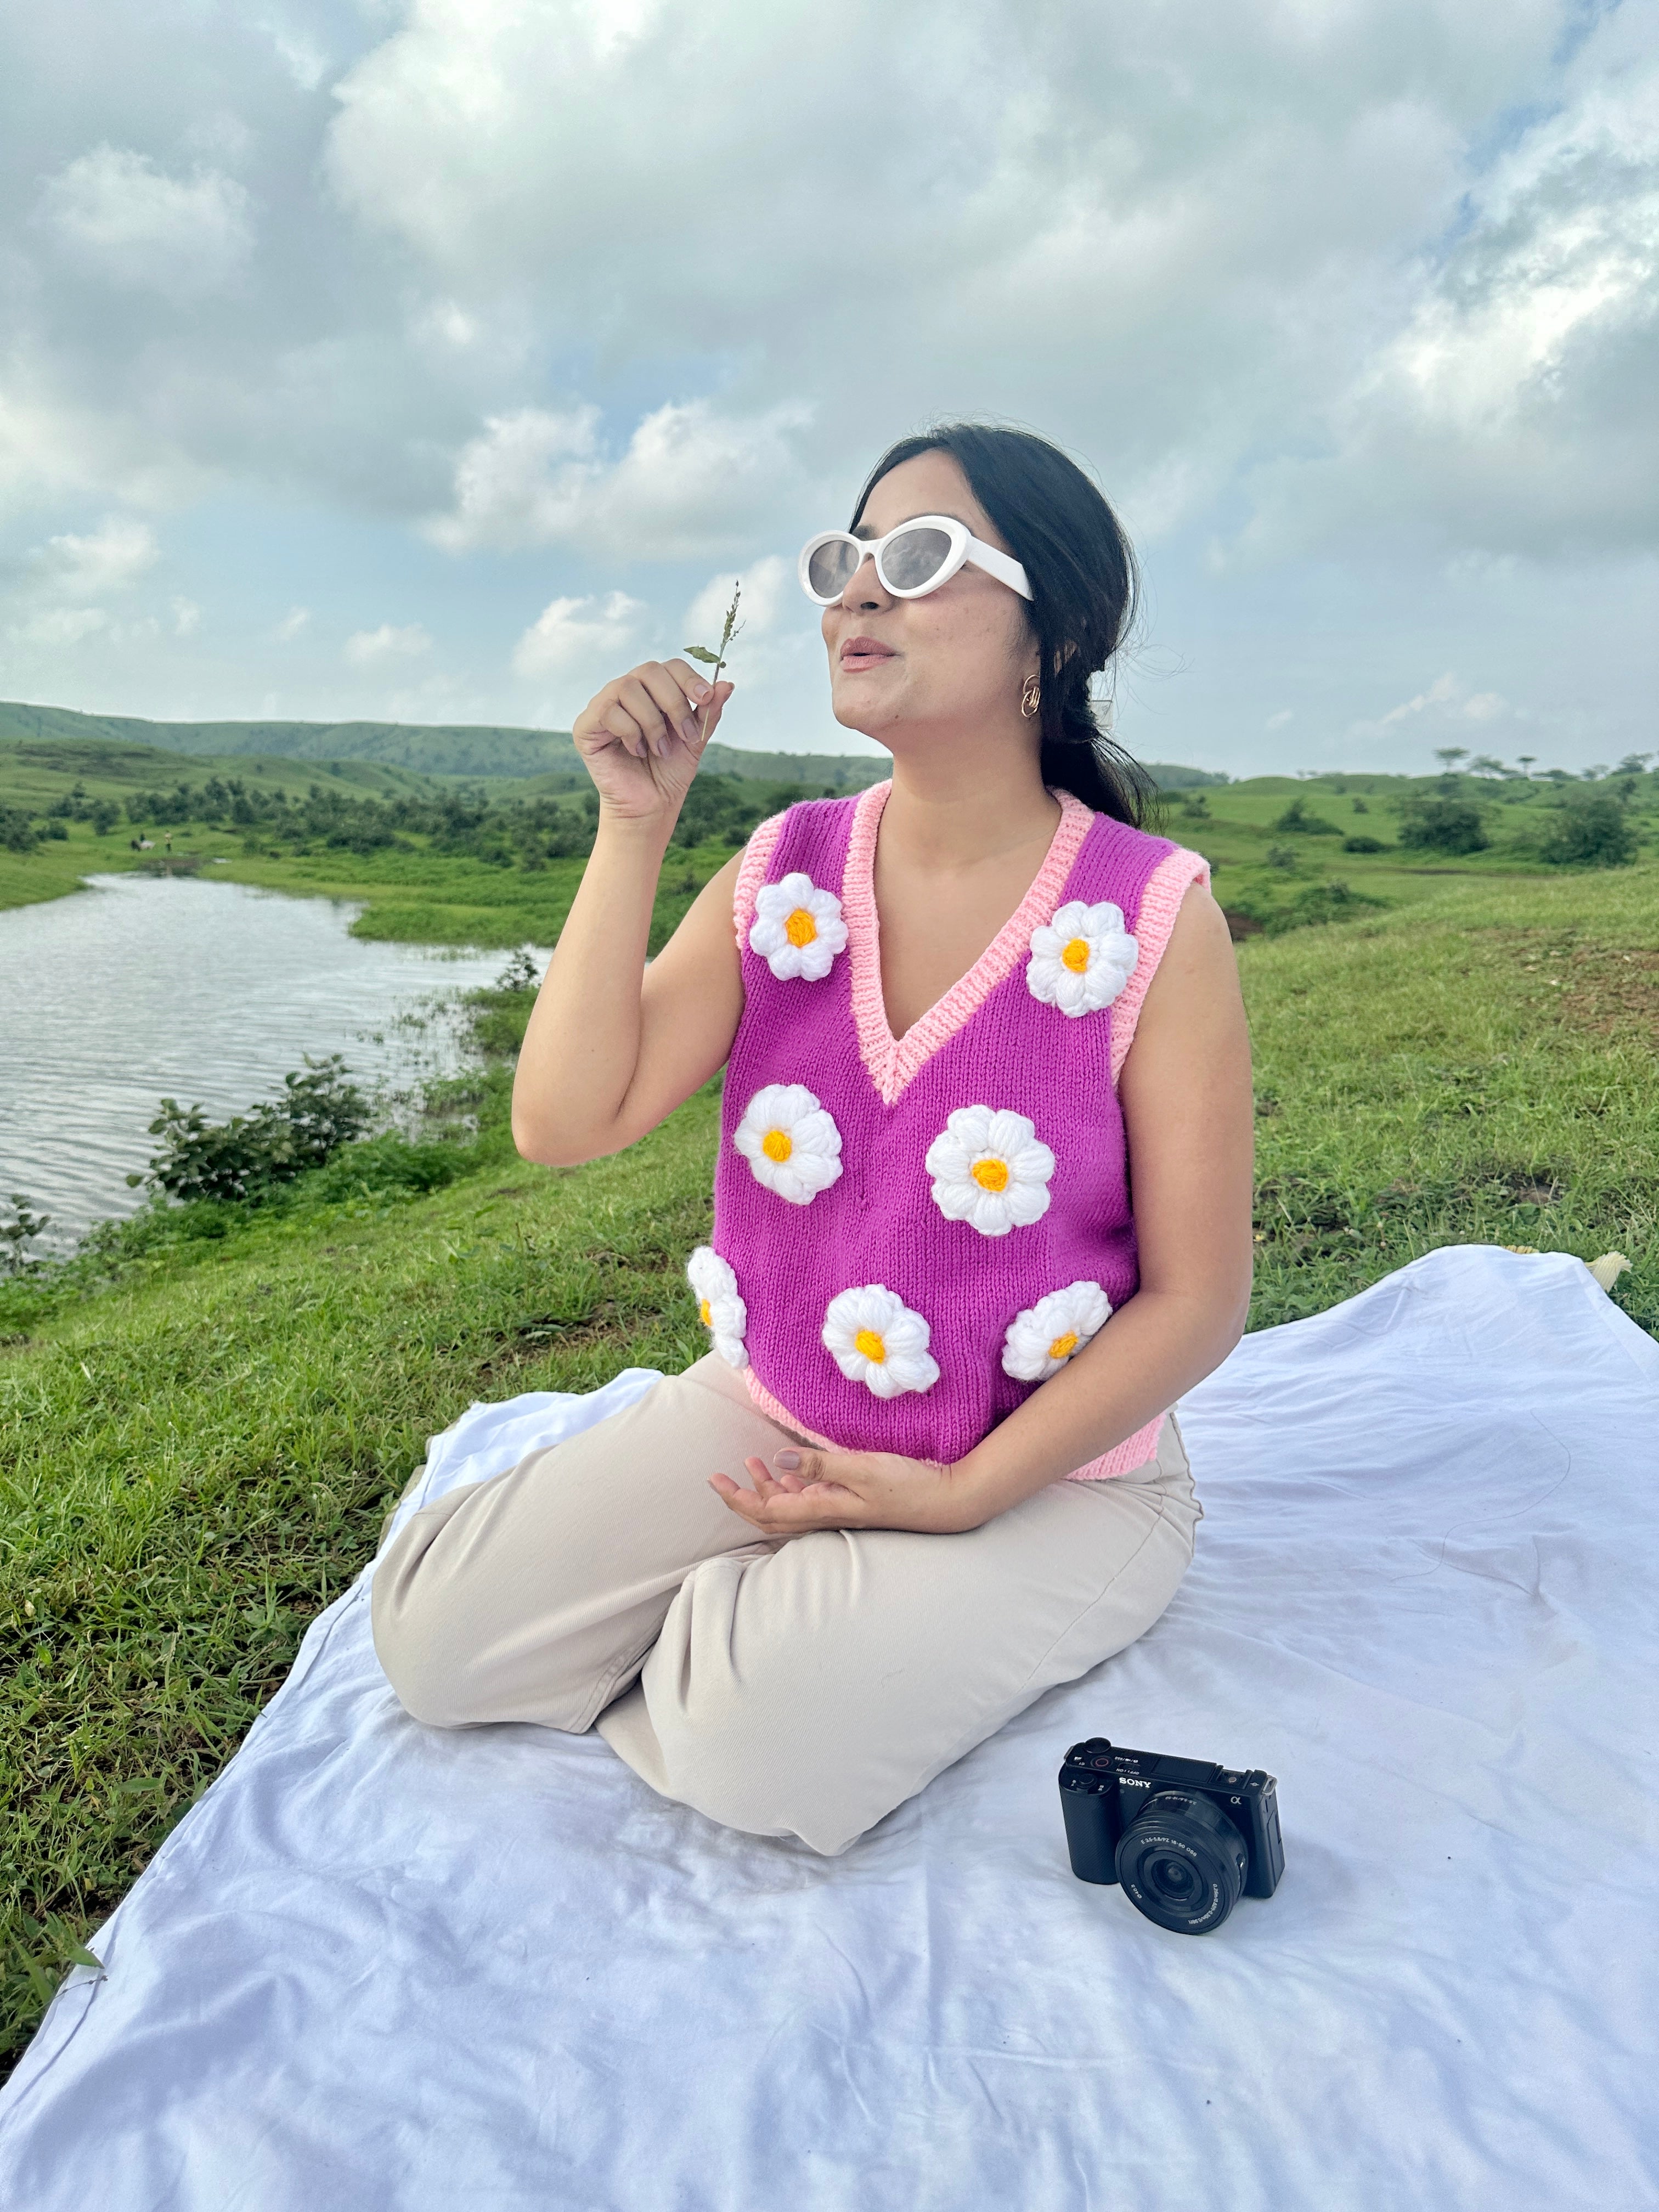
pixel 1030 696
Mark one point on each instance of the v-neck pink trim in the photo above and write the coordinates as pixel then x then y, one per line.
pixel 892 1061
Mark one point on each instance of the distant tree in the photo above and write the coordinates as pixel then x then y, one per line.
pixel 1527 761
pixel 1297 819
pixel 1486 764
pixel 1442 825
pixel 1281 856
pixel 1359 805
pixel 1590 832
pixel 1593 774
pixel 1449 755
pixel 1633 763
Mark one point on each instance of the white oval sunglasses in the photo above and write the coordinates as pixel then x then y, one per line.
pixel 917 557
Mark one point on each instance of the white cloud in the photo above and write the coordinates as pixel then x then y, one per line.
pixel 124 218
pixel 579 634
pixel 1441 693
pixel 768 584
pixel 186 617
pixel 291 625
pixel 110 558
pixel 58 627
pixel 689 481
pixel 368 648
pixel 1443 705
pixel 521 481
pixel 300 55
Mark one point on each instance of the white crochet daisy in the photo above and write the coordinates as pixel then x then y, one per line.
pixel 798 929
pixel 1043 1338
pixel 720 1304
pixel 790 1142
pixel 1081 960
pixel 990 1168
pixel 876 1340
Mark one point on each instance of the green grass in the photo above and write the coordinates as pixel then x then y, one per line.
pixel 203 1422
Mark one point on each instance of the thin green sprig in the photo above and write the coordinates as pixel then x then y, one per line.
pixel 717 660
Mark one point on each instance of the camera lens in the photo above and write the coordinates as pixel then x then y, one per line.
pixel 1182 1863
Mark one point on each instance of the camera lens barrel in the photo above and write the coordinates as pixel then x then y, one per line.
pixel 1183 1863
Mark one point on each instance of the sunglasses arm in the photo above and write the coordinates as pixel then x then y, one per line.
pixel 999 565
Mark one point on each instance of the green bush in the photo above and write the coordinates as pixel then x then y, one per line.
pixel 1326 902
pixel 15 834
pixel 1590 832
pixel 1297 819
pixel 1442 825
pixel 1363 845
pixel 19 1224
pixel 241 1160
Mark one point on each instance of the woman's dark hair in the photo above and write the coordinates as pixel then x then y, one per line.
pixel 1085 591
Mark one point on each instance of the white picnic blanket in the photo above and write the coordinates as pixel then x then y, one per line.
pixel 384 1967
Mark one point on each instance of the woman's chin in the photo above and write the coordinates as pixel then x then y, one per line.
pixel 863 715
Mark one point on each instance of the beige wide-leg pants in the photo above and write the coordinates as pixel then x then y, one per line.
pixel 801 1686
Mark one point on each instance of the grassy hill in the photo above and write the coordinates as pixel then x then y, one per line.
pixel 437 750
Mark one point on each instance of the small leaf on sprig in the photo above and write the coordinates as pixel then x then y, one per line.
pixel 717 660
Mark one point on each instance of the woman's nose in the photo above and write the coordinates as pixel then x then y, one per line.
pixel 864 587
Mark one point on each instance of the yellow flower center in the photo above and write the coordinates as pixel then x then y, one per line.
pixel 801 928
pixel 990 1174
pixel 1075 956
pixel 871 1345
pixel 1063 1347
pixel 777 1145
pixel 707 1316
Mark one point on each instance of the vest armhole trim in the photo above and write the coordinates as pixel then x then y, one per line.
pixel 751 874
pixel 1160 904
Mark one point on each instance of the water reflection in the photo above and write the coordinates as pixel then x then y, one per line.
pixel 140 986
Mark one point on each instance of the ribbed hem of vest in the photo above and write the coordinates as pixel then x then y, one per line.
pixel 1133 1451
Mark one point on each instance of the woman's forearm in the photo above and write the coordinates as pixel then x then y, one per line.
pixel 1155 1348
pixel 581 1050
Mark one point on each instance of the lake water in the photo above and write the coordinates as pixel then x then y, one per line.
pixel 143 986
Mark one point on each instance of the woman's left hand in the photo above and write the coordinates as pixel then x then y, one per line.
pixel 804 1489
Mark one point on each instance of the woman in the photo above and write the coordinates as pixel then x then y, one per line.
pixel 961 1017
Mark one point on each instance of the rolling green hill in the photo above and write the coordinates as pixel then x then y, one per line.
pixel 439 749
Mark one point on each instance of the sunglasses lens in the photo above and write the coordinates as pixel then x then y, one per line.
pixel 915 557
pixel 833 567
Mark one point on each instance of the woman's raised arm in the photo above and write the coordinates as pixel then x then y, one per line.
pixel 613 1046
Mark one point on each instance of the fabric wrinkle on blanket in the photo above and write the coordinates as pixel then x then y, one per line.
pixel 381 1966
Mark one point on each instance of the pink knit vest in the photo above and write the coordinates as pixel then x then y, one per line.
pixel 921 1229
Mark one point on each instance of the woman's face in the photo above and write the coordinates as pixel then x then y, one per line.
pixel 957 656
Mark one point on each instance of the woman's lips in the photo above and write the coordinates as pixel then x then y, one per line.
pixel 865 653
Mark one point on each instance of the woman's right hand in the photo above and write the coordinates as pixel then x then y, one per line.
pixel 642 737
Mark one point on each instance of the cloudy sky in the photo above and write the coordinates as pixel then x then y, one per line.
pixel 434 359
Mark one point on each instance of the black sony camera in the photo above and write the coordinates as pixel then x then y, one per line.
pixel 1186 1839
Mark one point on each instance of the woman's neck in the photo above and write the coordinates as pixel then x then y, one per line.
pixel 945 816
